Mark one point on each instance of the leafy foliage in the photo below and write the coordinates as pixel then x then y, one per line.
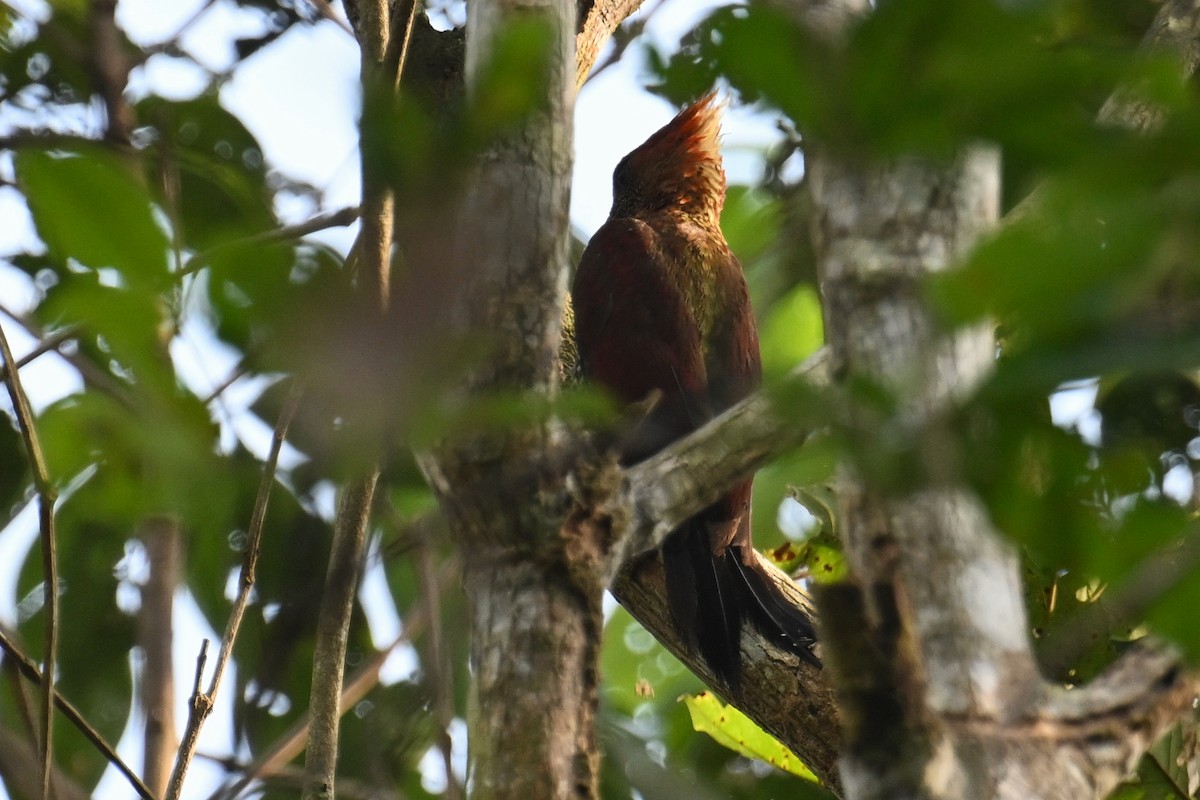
pixel 1093 279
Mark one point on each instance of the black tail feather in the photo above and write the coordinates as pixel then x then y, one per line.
pixel 774 615
pixel 703 600
pixel 710 597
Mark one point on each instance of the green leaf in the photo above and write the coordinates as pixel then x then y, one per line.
pixel 750 221
pixel 222 191
pixel 125 328
pixel 637 669
pixel 1162 774
pixel 792 330
pixel 14 468
pixel 89 207
pixel 249 289
pixel 512 81
pixel 733 729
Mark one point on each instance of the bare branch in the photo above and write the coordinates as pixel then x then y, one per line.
pixel 1176 29
pixel 657 495
pixel 50 343
pixel 202 702
pixel 595 28
pixel 29 669
pixel 371 261
pixel 624 35
pixel 110 69
pixel 334 219
pixel 47 495
pixel 200 707
pixel 163 541
pixel 333 630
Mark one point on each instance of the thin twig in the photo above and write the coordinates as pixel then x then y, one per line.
pixel 334 219
pixel 333 631
pixel 238 373
pixel 199 707
pixel 47 494
pixel 404 15
pixel 92 375
pixel 28 668
pixel 50 343
pixel 202 702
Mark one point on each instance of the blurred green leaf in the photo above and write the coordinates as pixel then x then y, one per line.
pixel 511 83
pixel 792 330
pixel 427 152
pixel 249 291
pixel 846 97
pixel 139 463
pixel 750 221
pixel 124 330
pixel 1162 773
pixel 45 63
pixel 638 671
pixel 214 167
pixel 14 466
pixel 1172 614
pixel 89 207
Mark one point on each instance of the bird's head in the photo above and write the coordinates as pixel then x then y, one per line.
pixel 678 167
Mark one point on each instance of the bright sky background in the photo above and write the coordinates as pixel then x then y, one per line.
pixel 299 97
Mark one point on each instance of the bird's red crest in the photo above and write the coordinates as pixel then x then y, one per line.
pixel 679 166
pixel 694 133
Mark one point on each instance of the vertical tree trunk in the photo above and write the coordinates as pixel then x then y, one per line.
pixel 164 550
pixel 535 642
pixel 928 647
pixel 533 583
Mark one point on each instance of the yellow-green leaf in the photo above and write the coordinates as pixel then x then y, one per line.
pixel 733 729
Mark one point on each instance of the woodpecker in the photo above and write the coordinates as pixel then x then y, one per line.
pixel 663 318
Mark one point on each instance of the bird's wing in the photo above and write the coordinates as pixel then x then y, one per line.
pixel 635 331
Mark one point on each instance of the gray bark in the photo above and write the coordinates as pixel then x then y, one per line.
pixel 533 585
pixel 928 647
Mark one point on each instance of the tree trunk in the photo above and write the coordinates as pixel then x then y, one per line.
pixel 535 641
pixel 533 583
pixel 928 645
